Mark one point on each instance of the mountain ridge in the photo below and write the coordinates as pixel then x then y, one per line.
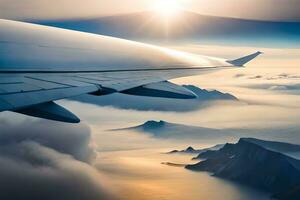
pixel 159 104
pixel 193 134
pixel 191 150
pixel 253 164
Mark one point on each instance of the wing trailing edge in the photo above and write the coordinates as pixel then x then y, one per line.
pixel 242 61
pixel 164 89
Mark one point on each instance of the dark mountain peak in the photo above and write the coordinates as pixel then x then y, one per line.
pixel 204 94
pixel 253 140
pixel 168 130
pixel 153 122
pixel 149 126
pixel 273 145
pixel 152 125
pixel 190 149
pixel 249 162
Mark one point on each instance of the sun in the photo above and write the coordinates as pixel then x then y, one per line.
pixel 167 8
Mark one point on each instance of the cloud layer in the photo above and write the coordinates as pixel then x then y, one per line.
pixel 42 160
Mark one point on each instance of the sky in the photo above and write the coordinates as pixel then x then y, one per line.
pixel 286 10
pixel 83 161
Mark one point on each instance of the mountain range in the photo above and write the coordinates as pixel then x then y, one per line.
pixel 165 130
pixel 191 150
pixel 186 26
pixel 196 134
pixel 158 104
pixel 257 163
pixel 281 147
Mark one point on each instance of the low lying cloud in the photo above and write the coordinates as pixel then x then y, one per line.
pixel 63 138
pixel 47 160
pixel 286 87
pixel 278 87
pixel 269 77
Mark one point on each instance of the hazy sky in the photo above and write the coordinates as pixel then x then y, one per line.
pixel 259 9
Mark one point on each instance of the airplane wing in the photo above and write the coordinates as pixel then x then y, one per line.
pixel 39 65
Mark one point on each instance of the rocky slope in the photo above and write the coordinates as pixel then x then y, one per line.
pixel 191 150
pixel 251 162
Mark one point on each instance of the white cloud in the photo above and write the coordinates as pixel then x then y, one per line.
pixel 44 160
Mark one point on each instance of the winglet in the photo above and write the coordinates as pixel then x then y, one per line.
pixel 242 61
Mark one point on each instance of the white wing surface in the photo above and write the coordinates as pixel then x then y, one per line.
pixel 40 64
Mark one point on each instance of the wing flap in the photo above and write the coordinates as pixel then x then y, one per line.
pixel 50 110
pixel 163 89
pixel 29 89
pixel 119 81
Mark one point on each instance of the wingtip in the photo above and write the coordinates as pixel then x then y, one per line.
pixel 240 62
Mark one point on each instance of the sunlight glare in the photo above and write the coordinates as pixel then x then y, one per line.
pixel 167 8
